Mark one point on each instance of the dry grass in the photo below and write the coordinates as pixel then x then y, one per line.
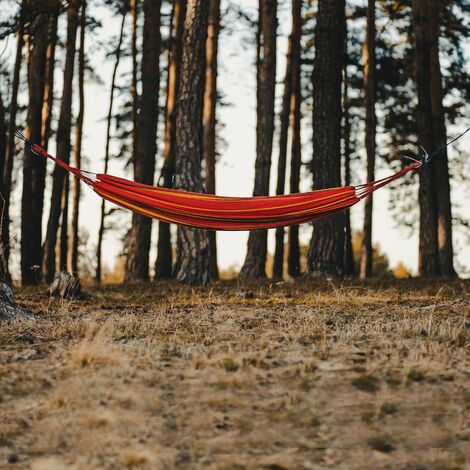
pixel 240 376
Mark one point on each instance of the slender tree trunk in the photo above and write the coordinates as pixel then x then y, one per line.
pixel 293 256
pixel 442 183
pixel 64 238
pixel 368 59
pixel 278 264
pixel 107 149
pixel 255 261
pixel 33 167
pixel 192 262
pixel 47 105
pixel 137 263
pixel 10 151
pixel 210 120
pixel 348 250
pixel 3 147
pixel 73 261
pixel 327 247
pixel 134 93
pixel 428 240
pixel 164 261
pixel 63 144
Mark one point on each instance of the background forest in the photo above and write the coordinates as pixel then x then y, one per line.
pixel 98 84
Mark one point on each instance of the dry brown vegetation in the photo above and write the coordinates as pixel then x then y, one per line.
pixel 235 376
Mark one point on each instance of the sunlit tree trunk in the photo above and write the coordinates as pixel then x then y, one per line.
pixel 210 119
pixel 293 255
pixel 192 262
pixel 326 252
pixel 278 263
pixel 442 183
pixel 428 240
pixel 137 262
pixel 63 144
pixel 10 150
pixel 109 119
pixel 163 264
pixel 255 261
pixel 33 167
pixel 368 59
pixel 73 261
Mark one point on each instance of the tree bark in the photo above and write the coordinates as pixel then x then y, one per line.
pixel 134 92
pixel 109 119
pixel 163 264
pixel 64 226
pixel 368 59
pixel 3 148
pixel 326 252
pixel 10 151
pixel 278 263
pixel 255 261
pixel 192 262
pixel 34 168
pixel 137 263
pixel 428 240
pixel 210 120
pixel 73 261
pixel 442 183
pixel 293 255
pixel 63 144
pixel 349 269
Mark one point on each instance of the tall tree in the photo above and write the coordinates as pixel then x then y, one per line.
pixel 293 257
pixel 326 251
pixel 107 148
pixel 255 260
pixel 210 119
pixel 34 168
pixel 428 240
pixel 278 264
pixel 348 249
pixel 368 60
pixel 163 264
pixel 192 262
pixel 73 261
pixel 137 263
pixel 63 143
pixel 10 151
pixel 134 4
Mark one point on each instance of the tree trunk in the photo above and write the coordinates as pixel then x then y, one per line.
pixel 137 263
pixel 326 252
pixel 164 260
pixel 134 93
pixel 3 147
pixel 442 183
pixel 9 310
pixel 428 242
pixel 107 149
pixel 210 120
pixel 192 262
pixel 34 168
pixel 278 263
pixel 10 151
pixel 255 261
pixel 73 261
pixel 293 255
pixel 63 144
pixel 64 226
pixel 49 83
pixel 349 269
pixel 368 59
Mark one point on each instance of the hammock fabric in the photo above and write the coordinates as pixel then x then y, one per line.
pixel 225 213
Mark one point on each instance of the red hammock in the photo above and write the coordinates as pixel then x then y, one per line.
pixel 224 213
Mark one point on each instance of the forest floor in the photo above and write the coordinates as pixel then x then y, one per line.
pixel 277 376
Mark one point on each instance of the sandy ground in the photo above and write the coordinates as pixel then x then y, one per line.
pixel 237 376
